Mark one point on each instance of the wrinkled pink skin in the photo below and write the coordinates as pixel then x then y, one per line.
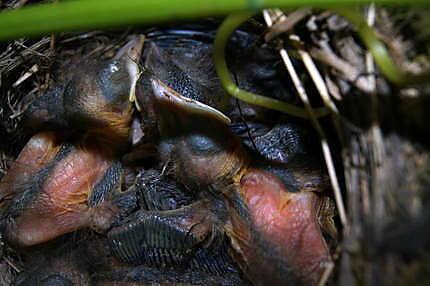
pixel 38 151
pixel 288 227
pixel 61 204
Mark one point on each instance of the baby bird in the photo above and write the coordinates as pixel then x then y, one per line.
pixel 95 103
pixel 57 186
pixel 54 188
pixel 147 248
pixel 273 227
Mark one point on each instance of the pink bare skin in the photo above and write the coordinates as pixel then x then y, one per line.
pixel 286 228
pixel 276 235
pixel 39 150
pixel 61 205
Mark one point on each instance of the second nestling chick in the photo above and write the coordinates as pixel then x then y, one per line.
pixel 56 187
pixel 174 231
pixel 53 189
pixel 274 229
pixel 95 102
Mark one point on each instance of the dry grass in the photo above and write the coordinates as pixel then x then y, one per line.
pixel 380 180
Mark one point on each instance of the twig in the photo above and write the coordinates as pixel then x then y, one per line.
pixel 26 75
pixel 375 141
pixel 31 49
pixel 19 4
pixel 221 38
pixel 326 274
pixel 379 52
pixel 348 71
pixel 324 145
pixel 333 88
pixel 11 264
pixel 286 25
pixel 12 57
pixel 317 79
pixel 370 65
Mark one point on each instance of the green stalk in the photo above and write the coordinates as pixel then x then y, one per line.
pixel 379 52
pixel 74 15
pixel 375 46
pixel 224 32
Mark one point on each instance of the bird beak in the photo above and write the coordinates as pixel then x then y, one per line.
pixel 130 54
pixel 197 137
pixel 179 113
pixel 92 90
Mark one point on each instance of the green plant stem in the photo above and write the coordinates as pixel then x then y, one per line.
pixel 379 52
pixel 382 58
pixel 79 15
pixel 224 32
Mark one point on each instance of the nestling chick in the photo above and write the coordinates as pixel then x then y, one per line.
pixel 174 230
pixel 274 230
pixel 95 103
pixel 53 189
pixel 56 186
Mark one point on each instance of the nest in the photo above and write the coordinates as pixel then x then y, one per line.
pixel 377 136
